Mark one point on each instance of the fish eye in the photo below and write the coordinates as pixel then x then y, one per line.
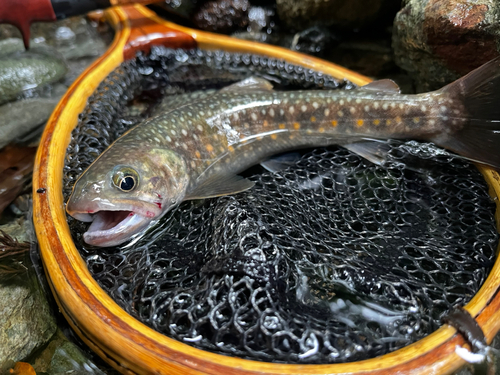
pixel 125 178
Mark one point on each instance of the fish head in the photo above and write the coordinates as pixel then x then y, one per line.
pixel 123 196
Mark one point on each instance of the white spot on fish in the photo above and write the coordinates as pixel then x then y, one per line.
pixel 271 112
pixel 168 139
pixel 340 113
pixel 358 100
pixel 385 106
pixel 327 111
pixel 341 102
pixel 423 108
pixel 401 105
pixel 375 105
pixel 352 109
pixel 263 112
pixel 443 108
pixel 315 105
pixel 200 128
pixel 236 117
pixel 184 132
pixel 172 131
pixel 282 112
pixel 367 108
pixel 303 108
pixel 291 110
pixel 253 116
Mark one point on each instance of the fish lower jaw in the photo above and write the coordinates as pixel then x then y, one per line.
pixel 111 228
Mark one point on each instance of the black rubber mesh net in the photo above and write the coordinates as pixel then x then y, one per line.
pixel 333 259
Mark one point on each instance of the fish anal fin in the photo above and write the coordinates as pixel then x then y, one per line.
pixel 219 185
pixel 281 162
pixel 250 83
pixel 382 86
pixel 372 150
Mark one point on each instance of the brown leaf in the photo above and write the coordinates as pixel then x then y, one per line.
pixel 16 166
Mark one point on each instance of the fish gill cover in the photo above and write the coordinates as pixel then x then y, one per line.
pixel 331 260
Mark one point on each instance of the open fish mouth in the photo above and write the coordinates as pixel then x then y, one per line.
pixel 112 227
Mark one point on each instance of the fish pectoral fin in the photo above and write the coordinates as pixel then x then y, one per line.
pixel 250 83
pixel 381 86
pixel 219 185
pixel 374 151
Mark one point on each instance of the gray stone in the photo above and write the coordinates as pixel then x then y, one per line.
pixel 27 70
pixel 22 117
pixel 300 14
pixel 11 45
pixel 69 359
pixel 437 41
pixel 26 322
pixel 25 319
pixel 222 16
pixel 20 229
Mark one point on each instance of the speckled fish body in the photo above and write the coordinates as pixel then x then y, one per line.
pixel 197 149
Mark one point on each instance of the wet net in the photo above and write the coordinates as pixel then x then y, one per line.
pixel 331 260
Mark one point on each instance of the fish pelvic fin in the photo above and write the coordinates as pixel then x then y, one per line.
pixel 479 93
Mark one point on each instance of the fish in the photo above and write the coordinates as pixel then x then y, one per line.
pixel 196 146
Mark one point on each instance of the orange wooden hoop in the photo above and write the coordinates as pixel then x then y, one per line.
pixel 130 346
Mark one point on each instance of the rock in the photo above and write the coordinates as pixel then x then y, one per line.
pixel 316 40
pixel 301 14
pixel 61 356
pixel 22 117
pixel 69 359
pixel 19 229
pixel 11 45
pixel 73 38
pixel 259 19
pixel 27 70
pixel 26 322
pixel 222 16
pixel 180 8
pixel 437 41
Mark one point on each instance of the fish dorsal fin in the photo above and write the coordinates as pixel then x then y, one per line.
pixel 382 86
pixel 219 185
pixel 250 83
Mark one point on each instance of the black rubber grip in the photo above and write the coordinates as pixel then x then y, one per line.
pixel 68 8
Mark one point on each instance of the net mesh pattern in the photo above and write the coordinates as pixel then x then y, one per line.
pixel 331 260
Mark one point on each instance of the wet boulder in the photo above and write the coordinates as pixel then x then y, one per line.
pixel 222 16
pixel 437 41
pixel 22 117
pixel 301 14
pixel 28 70
pixel 26 322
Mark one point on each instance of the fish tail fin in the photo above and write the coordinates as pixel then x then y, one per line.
pixel 479 92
